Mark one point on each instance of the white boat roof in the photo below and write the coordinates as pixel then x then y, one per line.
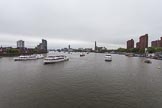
pixel 56 55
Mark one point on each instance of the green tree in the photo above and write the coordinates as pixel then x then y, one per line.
pixel 151 50
pixel 142 51
pixel 122 50
pixel 135 50
pixel 158 49
pixel 154 49
pixel 13 51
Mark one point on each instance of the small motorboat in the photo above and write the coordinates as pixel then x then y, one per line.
pixel 82 54
pixel 148 61
pixel 55 59
pixel 108 58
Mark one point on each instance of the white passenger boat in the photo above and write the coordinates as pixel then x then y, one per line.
pixel 39 56
pixel 55 59
pixel 108 58
pixel 25 57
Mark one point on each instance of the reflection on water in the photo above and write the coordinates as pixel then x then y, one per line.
pixel 81 82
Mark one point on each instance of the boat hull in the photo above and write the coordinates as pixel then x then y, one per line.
pixel 147 61
pixel 82 55
pixel 108 60
pixel 19 59
pixel 55 61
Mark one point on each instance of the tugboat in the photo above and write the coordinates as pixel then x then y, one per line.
pixel 108 58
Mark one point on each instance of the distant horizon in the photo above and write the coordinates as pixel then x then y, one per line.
pixel 55 43
pixel 31 43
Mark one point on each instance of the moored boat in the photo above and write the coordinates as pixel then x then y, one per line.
pixel 108 58
pixel 25 57
pixel 55 59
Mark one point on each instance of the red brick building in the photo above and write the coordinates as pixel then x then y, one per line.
pixel 1 50
pixel 157 43
pixel 154 44
pixel 137 45
pixel 161 41
pixel 143 41
pixel 130 44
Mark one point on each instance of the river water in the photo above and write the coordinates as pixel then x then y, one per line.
pixel 81 82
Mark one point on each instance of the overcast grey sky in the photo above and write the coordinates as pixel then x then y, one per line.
pixel 79 22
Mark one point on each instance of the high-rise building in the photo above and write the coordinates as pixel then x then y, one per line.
pixel 95 46
pixel 44 45
pixel 143 41
pixel 161 42
pixel 157 43
pixel 130 44
pixel 154 44
pixel 138 45
pixel 20 44
pixel 69 47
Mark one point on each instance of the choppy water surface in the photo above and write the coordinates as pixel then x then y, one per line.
pixel 81 82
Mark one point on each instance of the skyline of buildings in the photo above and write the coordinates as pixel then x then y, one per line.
pixel 21 49
pixel 141 44
pixel 144 42
pixel 99 49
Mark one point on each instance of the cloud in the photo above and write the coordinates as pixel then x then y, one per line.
pixel 80 22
